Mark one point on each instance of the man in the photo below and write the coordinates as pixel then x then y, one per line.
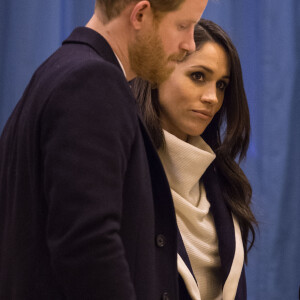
pixel 85 208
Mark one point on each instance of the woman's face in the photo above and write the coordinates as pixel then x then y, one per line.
pixel 194 92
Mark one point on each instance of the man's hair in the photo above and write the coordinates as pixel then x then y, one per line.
pixel 113 8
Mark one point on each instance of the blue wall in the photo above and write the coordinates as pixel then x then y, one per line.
pixel 267 36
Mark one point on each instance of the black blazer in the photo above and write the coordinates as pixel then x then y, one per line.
pixel 85 207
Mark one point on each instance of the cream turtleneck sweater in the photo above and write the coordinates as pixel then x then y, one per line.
pixel 184 164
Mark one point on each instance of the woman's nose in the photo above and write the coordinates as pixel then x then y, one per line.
pixel 210 94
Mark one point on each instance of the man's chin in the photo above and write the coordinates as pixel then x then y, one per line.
pixel 163 76
pixel 156 71
pixel 169 69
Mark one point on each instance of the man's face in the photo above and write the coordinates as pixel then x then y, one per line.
pixel 149 60
pixel 155 52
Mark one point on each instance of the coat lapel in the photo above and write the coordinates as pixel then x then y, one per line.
pixel 223 221
pixel 228 240
pixel 184 265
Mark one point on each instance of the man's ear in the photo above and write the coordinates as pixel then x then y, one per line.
pixel 139 13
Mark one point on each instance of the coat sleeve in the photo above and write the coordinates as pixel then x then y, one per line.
pixel 87 130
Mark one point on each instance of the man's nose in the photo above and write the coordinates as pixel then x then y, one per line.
pixel 188 44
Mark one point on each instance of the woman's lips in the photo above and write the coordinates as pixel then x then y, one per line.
pixel 204 114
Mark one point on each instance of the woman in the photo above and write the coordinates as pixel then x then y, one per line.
pixel 199 121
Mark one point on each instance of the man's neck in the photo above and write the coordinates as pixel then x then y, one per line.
pixel 116 33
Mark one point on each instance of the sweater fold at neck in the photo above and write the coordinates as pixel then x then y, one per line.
pixel 185 163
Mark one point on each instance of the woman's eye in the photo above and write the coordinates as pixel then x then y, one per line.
pixel 197 76
pixel 221 85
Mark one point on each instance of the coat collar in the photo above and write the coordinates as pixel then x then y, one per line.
pixel 90 37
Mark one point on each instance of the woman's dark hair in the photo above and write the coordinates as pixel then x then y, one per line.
pixel 228 133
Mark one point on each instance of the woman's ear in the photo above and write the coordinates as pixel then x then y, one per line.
pixel 140 12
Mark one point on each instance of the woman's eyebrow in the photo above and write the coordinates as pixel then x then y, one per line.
pixel 208 70
pixel 203 67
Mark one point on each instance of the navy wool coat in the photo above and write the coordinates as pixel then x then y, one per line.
pixel 85 207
